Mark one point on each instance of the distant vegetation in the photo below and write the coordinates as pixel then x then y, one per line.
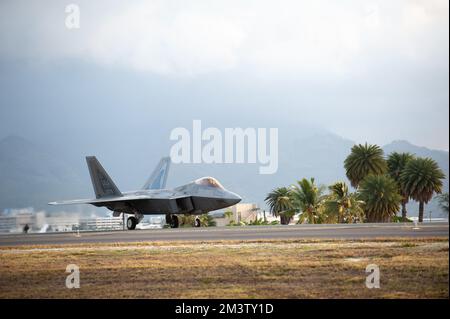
pixel 443 202
pixel 256 222
pixel 383 187
pixel 206 220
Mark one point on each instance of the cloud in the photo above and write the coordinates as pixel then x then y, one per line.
pixel 181 38
pixel 186 42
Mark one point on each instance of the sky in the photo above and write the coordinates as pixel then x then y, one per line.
pixel 366 70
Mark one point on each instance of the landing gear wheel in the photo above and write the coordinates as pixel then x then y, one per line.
pixel 174 222
pixel 197 222
pixel 131 223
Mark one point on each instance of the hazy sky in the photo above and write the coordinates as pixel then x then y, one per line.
pixel 372 71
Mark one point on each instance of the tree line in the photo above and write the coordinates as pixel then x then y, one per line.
pixel 381 188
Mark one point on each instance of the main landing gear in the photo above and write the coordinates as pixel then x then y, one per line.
pixel 172 220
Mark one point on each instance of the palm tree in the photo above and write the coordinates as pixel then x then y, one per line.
pixel 206 220
pixel 364 160
pixel 421 178
pixel 307 199
pixel 381 197
pixel 343 205
pixel 443 202
pixel 186 220
pixel 280 204
pixel 396 164
pixel 228 215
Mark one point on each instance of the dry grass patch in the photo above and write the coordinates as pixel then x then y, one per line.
pixel 410 268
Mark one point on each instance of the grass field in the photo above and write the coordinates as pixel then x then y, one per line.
pixel 409 268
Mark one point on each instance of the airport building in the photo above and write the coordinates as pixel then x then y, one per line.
pixel 246 212
pixel 39 222
pixel 16 221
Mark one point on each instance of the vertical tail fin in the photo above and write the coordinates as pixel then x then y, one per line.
pixel 158 178
pixel 103 184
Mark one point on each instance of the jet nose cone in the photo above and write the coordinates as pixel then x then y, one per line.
pixel 233 198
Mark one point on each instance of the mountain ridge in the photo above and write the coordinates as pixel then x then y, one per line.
pixel 31 175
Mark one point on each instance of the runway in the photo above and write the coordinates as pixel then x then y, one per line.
pixel 342 231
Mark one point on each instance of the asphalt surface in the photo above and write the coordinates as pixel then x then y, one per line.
pixel 346 232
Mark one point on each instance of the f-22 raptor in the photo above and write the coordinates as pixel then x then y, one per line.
pixel 198 197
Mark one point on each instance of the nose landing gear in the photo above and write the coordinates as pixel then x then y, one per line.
pixel 131 223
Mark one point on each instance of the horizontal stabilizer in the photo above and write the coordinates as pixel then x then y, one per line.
pixel 73 202
pixel 124 198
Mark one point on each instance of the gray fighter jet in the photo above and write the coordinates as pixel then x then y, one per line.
pixel 198 197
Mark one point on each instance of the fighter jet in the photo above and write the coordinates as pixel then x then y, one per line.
pixel 198 197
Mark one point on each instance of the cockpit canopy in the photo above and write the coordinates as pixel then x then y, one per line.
pixel 209 181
